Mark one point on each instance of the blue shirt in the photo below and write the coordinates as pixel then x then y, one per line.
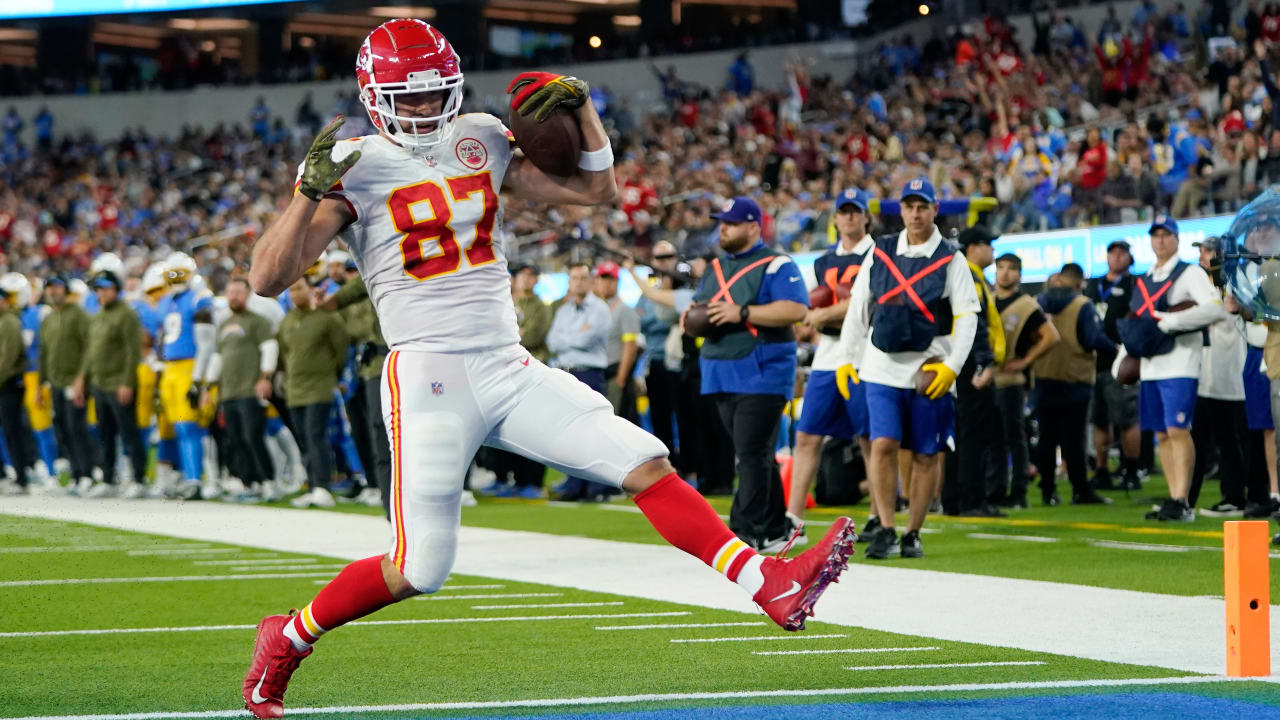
pixel 179 325
pixel 151 318
pixel 31 317
pixel 654 328
pixel 579 334
pixel 770 369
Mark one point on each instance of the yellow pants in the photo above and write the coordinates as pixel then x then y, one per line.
pixel 145 399
pixel 208 412
pixel 40 417
pixel 174 383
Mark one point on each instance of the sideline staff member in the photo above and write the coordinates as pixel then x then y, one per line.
pixel 916 298
pixel 755 294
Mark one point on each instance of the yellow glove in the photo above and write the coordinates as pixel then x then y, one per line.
pixel 942 382
pixel 844 374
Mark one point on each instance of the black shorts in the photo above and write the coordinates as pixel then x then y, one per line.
pixel 1113 404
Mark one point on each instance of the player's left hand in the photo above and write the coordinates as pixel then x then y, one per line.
pixel 321 171
pixel 942 382
pixel 124 394
pixel 723 313
pixel 541 93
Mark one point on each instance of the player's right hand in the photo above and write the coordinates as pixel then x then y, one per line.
pixel 844 375
pixel 541 93
pixel 320 171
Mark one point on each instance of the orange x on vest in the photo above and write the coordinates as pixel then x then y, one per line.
pixel 723 293
pixel 906 284
pixel 833 279
pixel 1149 300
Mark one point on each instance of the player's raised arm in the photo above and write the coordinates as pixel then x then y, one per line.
pixel 540 94
pixel 300 234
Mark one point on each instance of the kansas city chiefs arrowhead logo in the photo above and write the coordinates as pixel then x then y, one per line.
pixel 472 153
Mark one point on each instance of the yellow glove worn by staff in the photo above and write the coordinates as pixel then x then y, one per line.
pixel 942 382
pixel 844 374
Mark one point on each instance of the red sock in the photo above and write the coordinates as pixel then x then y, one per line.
pixel 357 591
pixel 685 519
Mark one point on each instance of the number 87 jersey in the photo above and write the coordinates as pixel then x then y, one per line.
pixel 424 234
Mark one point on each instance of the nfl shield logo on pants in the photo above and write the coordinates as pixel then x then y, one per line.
pixel 437 388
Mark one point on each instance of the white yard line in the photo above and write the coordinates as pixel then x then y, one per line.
pixel 276 561
pixel 412 621
pixel 947 665
pixel 803 636
pixel 841 651
pixel 356 710
pixel 680 625
pixel 172 578
pixel 283 568
pixel 184 551
pixel 1023 538
pixel 892 597
pixel 488 597
pixel 518 606
pixel 1146 547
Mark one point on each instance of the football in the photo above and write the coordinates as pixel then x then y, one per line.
pixel 925 378
pixel 698 323
pixel 553 145
pixel 1130 370
pixel 822 296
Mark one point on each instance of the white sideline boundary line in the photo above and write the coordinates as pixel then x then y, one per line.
pixel 97 548
pixel 755 638
pixel 494 596
pixel 409 621
pixel 664 697
pixel 1146 547
pixel 518 606
pixel 1005 663
pixel 841 651
pixel 1023 538
pixel 680 625
pixel 172 578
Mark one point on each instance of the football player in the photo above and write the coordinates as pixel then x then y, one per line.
pixel 417 204
pixel 38 399
pixel 186 347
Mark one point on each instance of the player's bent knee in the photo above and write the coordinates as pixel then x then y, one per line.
pixel 431 560
pixel 646 474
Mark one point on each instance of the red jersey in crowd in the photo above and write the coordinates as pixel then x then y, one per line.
pixel 637 195
pixel 857 147
pixel 1093 166
pixel 1271 27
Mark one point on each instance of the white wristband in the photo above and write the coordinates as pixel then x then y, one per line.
pixel 596 160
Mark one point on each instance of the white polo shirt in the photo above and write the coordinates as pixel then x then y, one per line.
pixel 1222 362
pixel 899 369
pixel 1184 360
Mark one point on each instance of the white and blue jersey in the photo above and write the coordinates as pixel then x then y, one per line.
pixel 178 310
pixel 31 317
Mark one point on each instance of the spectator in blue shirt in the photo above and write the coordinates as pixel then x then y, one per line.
pixel 12 126
pixel 742 77
pixel 44 129
pixel 260 118
pixel 753 295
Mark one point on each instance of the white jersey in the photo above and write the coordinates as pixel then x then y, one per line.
pixel 424 233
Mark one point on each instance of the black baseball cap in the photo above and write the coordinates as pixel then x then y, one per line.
pixel 1119 244
pixel 976 235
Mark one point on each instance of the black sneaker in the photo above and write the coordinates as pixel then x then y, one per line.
pixel 1018 501
pixel 1090 497
pixel 910 545
pixel 1176 511
pixel 1276 540
pixel 1102 480
pixel 869 530
pixel 986 511
pixel 1258 510
pixel 1223 509
pixel 882 544
pixel 1050 500
pixel 1131 481
pixel 1156 511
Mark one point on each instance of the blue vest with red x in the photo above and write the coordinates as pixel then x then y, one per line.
pixel 835 271
pixel 909 310
pixel 1139 330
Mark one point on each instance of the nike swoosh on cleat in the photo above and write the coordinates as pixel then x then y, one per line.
pixel 257 697
pixel 795 588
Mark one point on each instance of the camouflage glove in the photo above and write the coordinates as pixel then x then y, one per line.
pixel 540 93
pixel 320 171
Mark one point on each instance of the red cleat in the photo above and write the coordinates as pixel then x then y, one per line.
pixel 791 587
pixel 274 661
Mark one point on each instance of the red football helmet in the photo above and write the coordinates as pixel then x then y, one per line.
pixel 402 57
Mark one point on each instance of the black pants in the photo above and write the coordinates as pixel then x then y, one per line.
pixel 1062 426
pixel 312 422
pixel 380 470
pixel 11 424
pixel 1011 403
pixel 357 410
pixel 246 433
pixel 117 419
pixel 975 438
pixel 71 428
pixel 758 513
pixel 1221 423
pixel 661 384
pixel 523 471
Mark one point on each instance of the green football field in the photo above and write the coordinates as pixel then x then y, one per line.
pixel 102 622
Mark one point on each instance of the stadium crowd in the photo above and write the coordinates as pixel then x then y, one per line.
pixel 1143 117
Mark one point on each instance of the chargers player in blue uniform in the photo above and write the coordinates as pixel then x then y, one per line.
pixel 827 410
pixel 187 343
pixel 37 400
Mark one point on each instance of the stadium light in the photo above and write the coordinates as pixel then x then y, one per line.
pixel 924 9
pixel 403 11
pixel 626 21
pixel 595 41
